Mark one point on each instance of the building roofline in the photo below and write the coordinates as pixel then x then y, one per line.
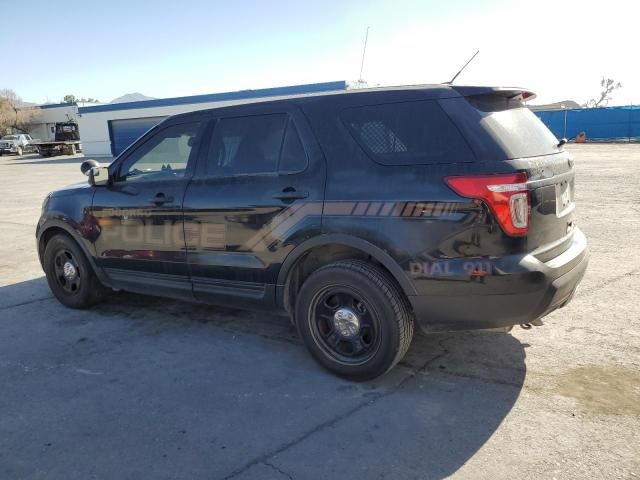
pixel 219 97
pixel 56 105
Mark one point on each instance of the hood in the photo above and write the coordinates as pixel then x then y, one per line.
pixel 70 189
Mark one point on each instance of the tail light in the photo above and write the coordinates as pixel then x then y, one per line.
pixel 505 195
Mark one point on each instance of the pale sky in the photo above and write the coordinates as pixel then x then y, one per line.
pixel 559 49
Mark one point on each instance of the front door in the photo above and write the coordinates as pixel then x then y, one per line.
pixel 139 216
pixel 258 193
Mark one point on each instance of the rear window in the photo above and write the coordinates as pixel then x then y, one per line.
pixel 514 127
pixel 409 133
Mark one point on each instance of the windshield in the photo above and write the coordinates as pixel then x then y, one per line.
pixel 10 137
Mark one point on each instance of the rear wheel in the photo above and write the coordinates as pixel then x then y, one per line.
pixel 69 274
pixel 354 320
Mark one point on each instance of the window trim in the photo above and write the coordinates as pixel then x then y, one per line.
pixel 149 136
pixel 206 173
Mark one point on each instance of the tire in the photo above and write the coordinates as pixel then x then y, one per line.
pixel 373 339
pixel 81 291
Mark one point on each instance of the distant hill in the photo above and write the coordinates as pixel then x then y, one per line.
pixel 131 97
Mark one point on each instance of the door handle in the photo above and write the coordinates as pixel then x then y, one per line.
pixel 290 194
pixel 161 199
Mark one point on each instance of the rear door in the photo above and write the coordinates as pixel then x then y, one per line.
pixel 258 193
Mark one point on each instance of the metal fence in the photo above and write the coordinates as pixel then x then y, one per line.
pixel 598 124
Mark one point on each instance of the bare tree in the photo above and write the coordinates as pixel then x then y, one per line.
pixel 608 86
pixel 73 99
pixel 15 114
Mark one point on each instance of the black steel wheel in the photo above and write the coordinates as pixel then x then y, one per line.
pixel 354 319
pixel 344 325
pixel 69 273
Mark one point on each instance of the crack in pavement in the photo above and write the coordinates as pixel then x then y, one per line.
pixel 7 307
pixel 608 282
pixel 337 419
pixel 282 472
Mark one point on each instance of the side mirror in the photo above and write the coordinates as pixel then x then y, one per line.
pixel 88 165
pixel 99 176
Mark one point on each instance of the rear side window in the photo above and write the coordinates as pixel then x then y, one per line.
pixel 294 158
pixel 255 144
pixel 245 145
pixel 409 133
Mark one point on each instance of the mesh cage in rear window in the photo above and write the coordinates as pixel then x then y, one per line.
pixel 408 133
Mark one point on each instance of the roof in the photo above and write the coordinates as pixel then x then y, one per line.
pixel 220 97
pixel 336 89
pixel 367 96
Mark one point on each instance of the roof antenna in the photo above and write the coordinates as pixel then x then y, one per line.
pixel 364 50
pixel 450 82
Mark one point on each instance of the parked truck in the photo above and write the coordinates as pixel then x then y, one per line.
pixel 66 142
pixel 19 143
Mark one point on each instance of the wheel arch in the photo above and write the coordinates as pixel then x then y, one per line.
pixel 52 227
pixel 335 247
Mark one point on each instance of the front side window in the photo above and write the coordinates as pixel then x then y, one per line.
pixel 246 145
pixel 165 155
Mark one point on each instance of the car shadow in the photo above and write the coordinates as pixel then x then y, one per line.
pixel 425 419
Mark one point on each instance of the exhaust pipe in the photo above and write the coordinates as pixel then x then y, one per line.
pixel 536 323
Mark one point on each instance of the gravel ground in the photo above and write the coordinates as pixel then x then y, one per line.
pixel 141 387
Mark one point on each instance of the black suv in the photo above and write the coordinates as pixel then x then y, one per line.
pixel 359 213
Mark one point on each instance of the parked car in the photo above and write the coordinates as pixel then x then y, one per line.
pixel 360 214
pixel 18 144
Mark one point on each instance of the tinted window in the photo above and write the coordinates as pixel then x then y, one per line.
pixel 293 158
pixel 514 127
pixel 165 155
pixel 407 133
pixel 244 145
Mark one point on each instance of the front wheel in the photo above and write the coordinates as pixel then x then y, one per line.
pixel 353 319
pixel 69 274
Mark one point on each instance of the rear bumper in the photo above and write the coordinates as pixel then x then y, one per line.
pixel 504 291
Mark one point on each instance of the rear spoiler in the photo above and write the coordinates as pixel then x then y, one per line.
pixel 509 92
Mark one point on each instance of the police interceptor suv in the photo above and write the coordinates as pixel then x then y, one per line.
pixel 361 214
